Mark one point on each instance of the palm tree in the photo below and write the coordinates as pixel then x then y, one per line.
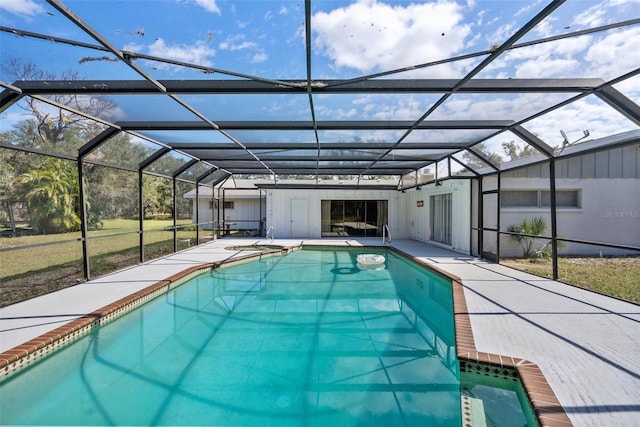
pixel 51 192
pixel 528 231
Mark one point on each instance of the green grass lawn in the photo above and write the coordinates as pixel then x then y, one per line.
pixel 35 270
pixel 44 256
pixel 619 277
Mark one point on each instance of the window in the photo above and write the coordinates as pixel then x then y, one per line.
pixel 539 199
pixel 519 198
pixel 228 205
pixel 564 199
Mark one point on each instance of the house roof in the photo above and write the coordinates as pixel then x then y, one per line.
pixel 319 99
pixel 251 188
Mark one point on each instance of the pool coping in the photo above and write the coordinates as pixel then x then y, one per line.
pixel 545 405
pixel 544 402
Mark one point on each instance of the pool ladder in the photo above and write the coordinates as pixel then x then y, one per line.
pixel 271 230
pixel 386 234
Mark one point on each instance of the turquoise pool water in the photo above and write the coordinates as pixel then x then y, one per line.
pixel 303 339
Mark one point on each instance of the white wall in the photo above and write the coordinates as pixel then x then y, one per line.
pixel 205 213
pixel 417 218
pixel 279 209
pixel 406 220
pixel 609 213
pixel 245 213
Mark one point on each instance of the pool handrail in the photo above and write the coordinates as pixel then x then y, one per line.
pixel 386 234
pixel 271 230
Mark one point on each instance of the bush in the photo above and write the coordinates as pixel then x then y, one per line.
pixel 528 231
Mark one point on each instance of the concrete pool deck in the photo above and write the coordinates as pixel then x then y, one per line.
pixel 587 345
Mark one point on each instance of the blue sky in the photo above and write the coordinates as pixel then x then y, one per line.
pixel 350 39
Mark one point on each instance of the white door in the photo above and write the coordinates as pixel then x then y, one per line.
pixel 299 218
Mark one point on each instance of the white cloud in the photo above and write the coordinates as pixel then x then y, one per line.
pixel 526 9
pixel 283 10
pixel 587 114
pixel 555 59
pixel 369 35
pixel 631 88
pixel 21 7
pixel 133 47
pixel 405 109
pixel 545 28
pixel 592 17
pixel 208 5
pixel 236 43
pixel 259 58
pixel 547 67
pixel 501 34
pixel 197 53
pixel 612 55
pixel 508 107
pixel 243 45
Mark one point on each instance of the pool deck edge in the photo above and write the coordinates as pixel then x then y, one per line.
pixel 543 399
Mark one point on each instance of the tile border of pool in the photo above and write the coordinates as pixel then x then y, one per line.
pixel 546 407
pixel 544 402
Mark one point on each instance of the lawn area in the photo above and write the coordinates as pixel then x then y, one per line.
pixel 46 256
pixel 54 266
pixel 618 277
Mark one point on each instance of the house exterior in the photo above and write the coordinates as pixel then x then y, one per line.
pixel 339 208
pixel 597 198
pixel 230 209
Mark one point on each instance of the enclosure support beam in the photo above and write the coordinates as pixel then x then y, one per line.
pixel 82 153
pixel 480 217
pixel 471 181
pixel 532 140
pixel 621 103
pixel 196 207
pixel 554 223
pixel 8 98
pixel 498 215
pixel 140 217
pixel 175 209
pixel 83 220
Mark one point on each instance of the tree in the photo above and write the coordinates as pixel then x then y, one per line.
pixel 114 192
pixel 474 162
pixel 528 231
pixel 51 193
pixel 514 152
pixel 511 151
pixel 51 123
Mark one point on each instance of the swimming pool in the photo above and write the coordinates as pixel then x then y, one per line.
pixel 303 339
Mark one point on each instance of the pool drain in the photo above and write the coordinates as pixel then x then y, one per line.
pixel 283 401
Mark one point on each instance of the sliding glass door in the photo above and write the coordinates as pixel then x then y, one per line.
pixel 364 218
pixel 441 218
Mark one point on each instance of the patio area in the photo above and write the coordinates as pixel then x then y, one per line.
pixel 586 344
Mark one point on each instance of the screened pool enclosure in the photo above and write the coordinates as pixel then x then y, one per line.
pixel 135 129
